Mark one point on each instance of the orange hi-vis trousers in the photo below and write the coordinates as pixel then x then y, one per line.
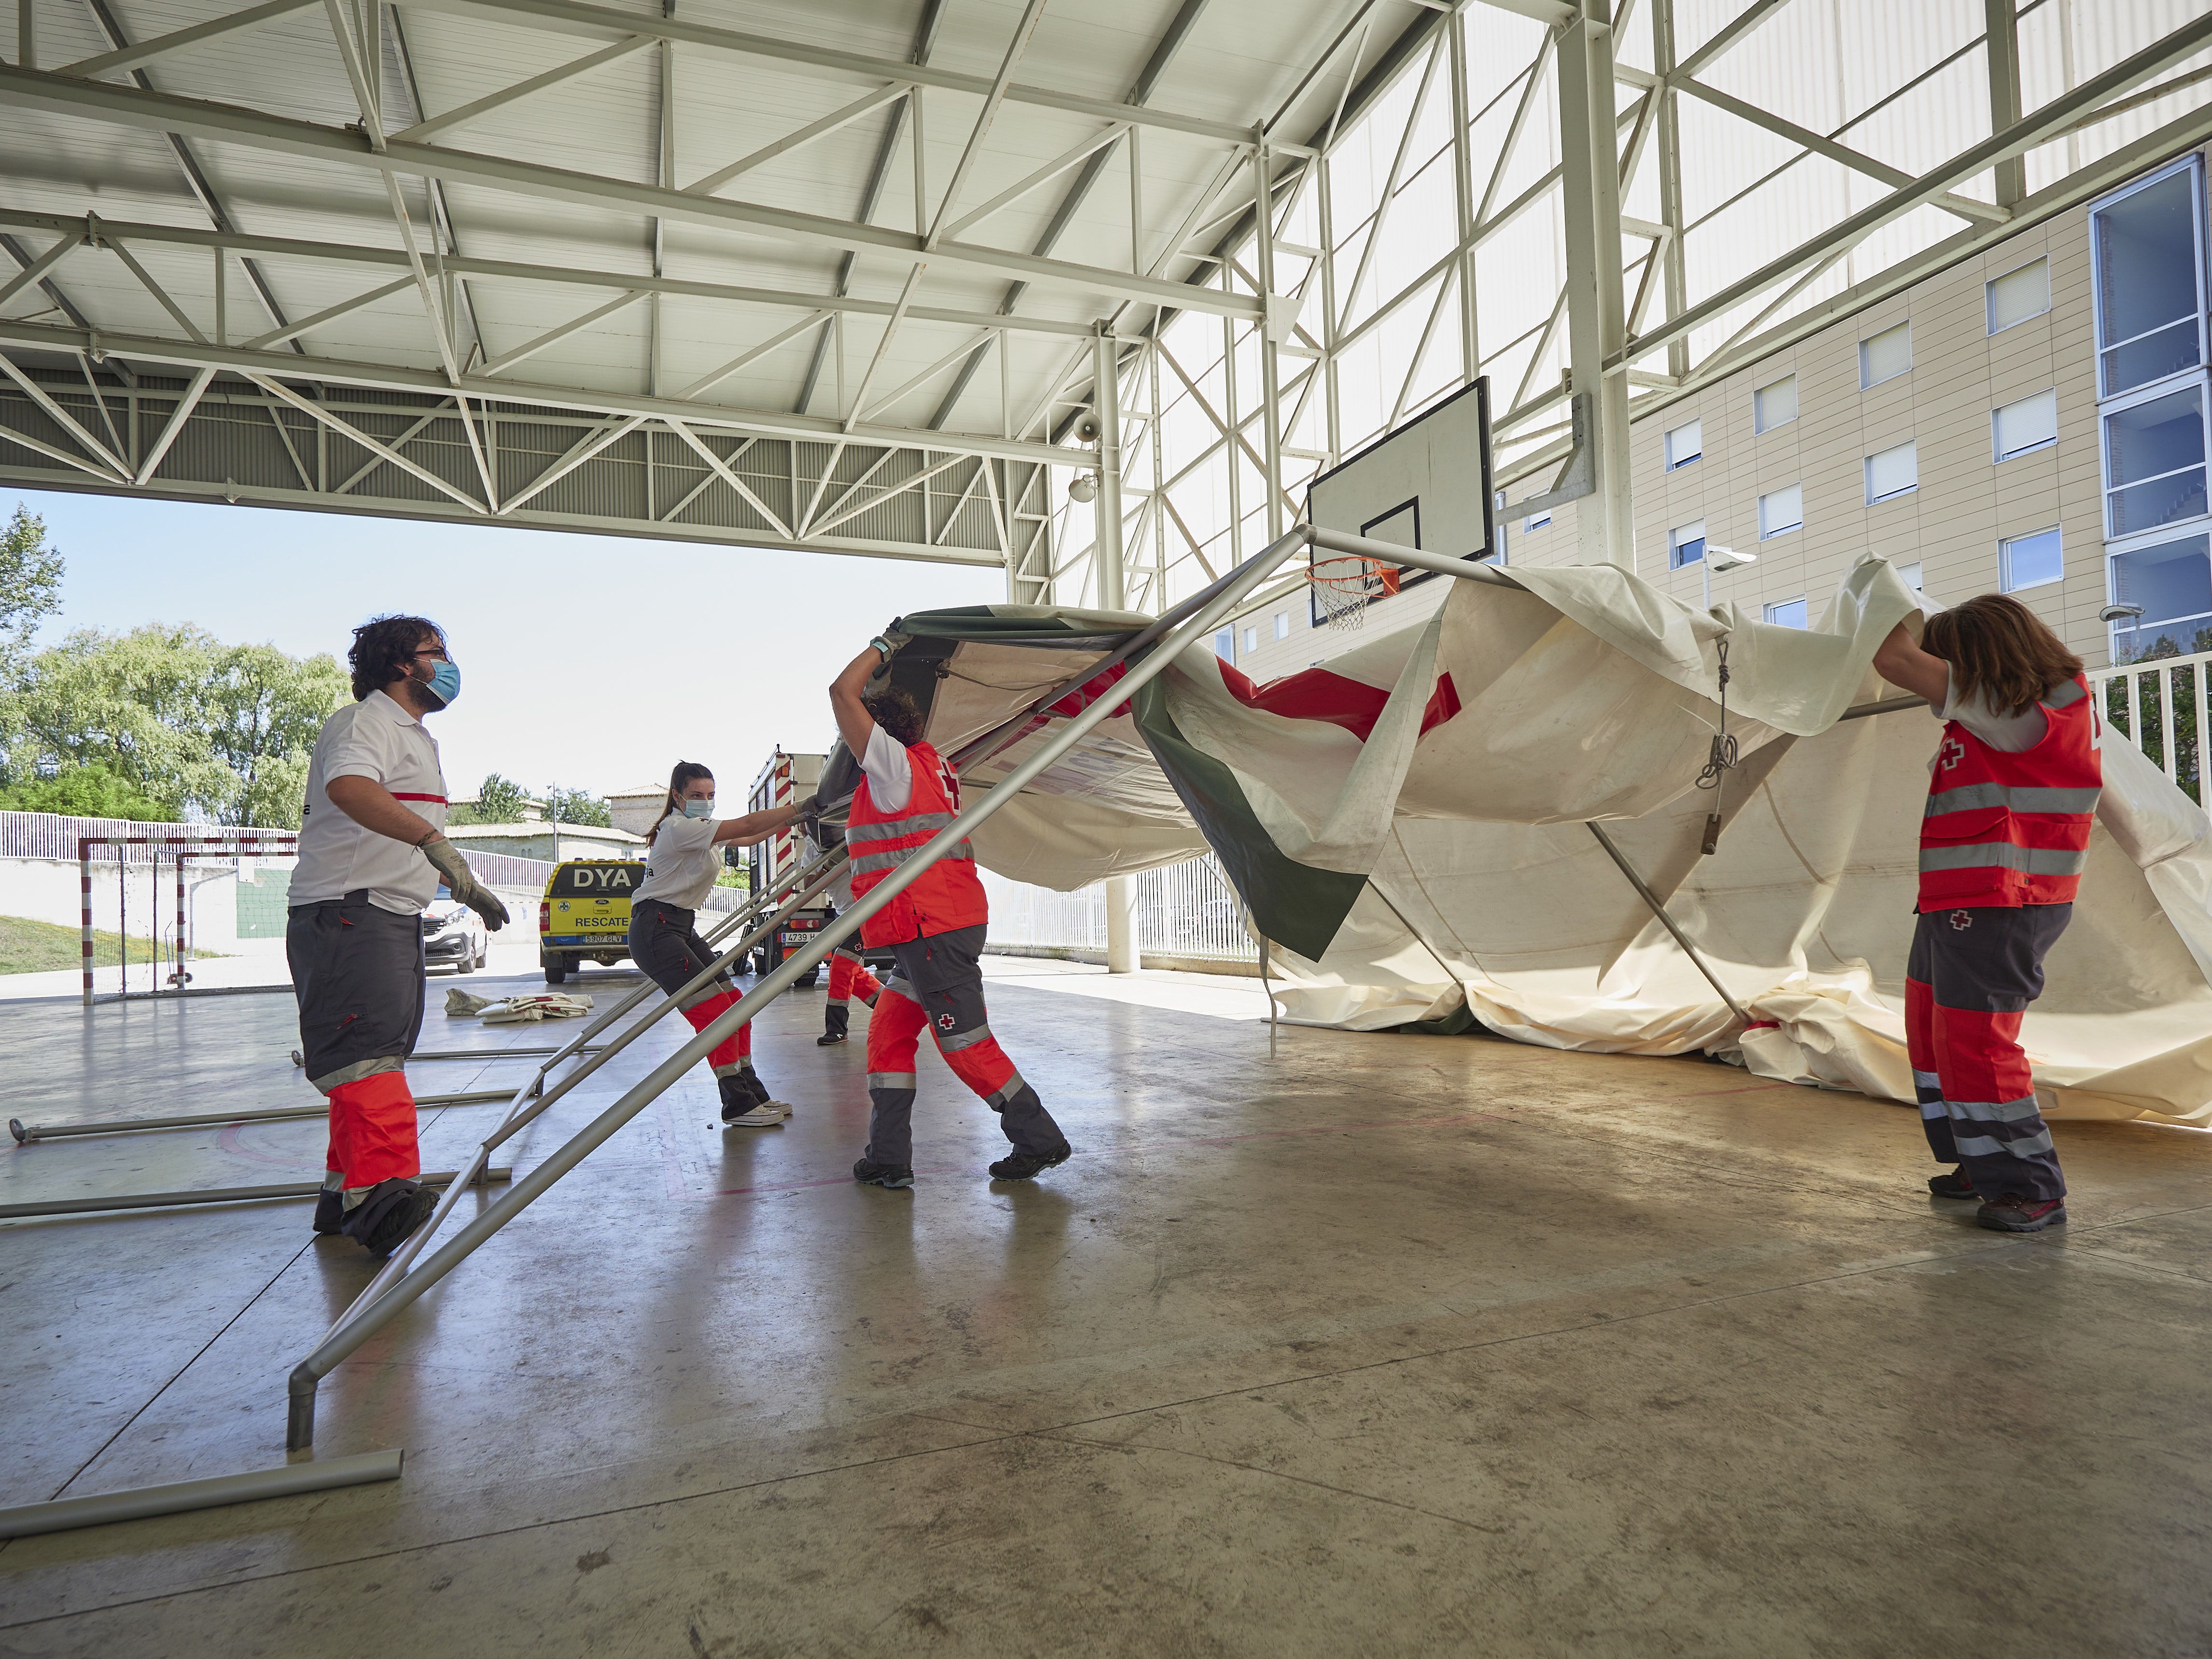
pixel 938 983
pixel 357 971
pixel 1970 978
pixel 849 977
pixel 664 943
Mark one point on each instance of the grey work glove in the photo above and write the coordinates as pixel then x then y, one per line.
pixel 810 817
pixel 462 883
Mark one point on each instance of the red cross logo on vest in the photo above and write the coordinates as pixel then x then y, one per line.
pixel 1952 753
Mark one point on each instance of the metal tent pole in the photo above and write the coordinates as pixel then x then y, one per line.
pixel 300 1428
pixel 28 1520
pixel 1644 893
pixel 218 1196
pixel 25 1133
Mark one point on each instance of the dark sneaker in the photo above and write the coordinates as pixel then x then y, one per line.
pixel 1021 1166
pixel 882 1174
pixel 1952 1183
pixel 2014 1214
pixel 381 1223
pixel 330 1211
pixel 829 1038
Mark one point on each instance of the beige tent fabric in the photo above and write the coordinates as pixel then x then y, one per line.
pixel 1592 696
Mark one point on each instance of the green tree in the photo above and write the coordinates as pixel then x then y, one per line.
pixel 30 587
pixel 500 801
pixel 177 716
pixel 578 806
pixel 85 791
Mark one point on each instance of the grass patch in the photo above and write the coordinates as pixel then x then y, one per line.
pixel 41 947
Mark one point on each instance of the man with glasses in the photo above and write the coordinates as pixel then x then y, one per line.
pixel 373 855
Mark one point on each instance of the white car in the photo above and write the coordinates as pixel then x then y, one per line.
pixel 453 935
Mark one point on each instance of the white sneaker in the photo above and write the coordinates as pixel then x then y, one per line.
pixel 783 1106
pixel 763 1116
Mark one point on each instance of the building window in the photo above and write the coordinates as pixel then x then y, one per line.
pixel 1909 574
pixel 1685 444
pixel 1282 624
pixel 2149 284
pixel 1893 472
pixel 2018 295
pixel 1538 522
pixel 2031 560
pixel 1774 405
pixel 1885 355
pixel 1251 639
pixel 1787 613
pixel 2030 424
pixel 1224 645
pixel 1685 545
pixel 1782 511
pixel 2173 583
pixel 2154 461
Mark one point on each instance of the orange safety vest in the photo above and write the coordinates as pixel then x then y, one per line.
pixel 946 896
pixel 2008 829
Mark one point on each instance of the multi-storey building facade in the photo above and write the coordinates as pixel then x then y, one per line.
pixel 2030 421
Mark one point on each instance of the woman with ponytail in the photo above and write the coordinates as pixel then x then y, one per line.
pixel 682 857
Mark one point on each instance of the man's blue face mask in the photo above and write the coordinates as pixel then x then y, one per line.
pixel 444 683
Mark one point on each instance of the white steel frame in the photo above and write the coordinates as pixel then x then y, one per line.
pixel 1287 292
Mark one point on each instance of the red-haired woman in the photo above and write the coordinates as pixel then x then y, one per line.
pixel 2011 794
pixel 684 855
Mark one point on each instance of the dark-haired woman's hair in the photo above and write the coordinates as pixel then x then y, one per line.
pixel 686 774
pixel 384 650
pixel 898 712
pixel 1998 647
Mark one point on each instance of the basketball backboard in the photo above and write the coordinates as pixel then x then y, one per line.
pixel 1427 485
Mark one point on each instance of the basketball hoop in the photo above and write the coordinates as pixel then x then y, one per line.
pixel 1345 582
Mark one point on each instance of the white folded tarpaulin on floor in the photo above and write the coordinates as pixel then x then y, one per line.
pixel 1453 764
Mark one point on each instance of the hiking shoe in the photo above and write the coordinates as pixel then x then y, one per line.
pixel 869 1174
pixel 381 1223
pixel 1023 1166
pixel 330 1211
pixel 765 1115
pixel 1952 1183
pixel 2014 1214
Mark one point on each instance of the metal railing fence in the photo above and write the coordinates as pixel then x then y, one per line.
pixel 1186 909
pixel 2159 703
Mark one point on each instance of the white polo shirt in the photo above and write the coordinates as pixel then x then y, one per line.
pixel 375 739
pixel 680 865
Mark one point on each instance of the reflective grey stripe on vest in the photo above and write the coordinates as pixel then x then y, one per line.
pixel 358 1070
pixel 890 1079
pixel 952 1042
pixel 869 864
pixel 2003 855
pixel 1973 797
pixel 2062 696
pixel 891 829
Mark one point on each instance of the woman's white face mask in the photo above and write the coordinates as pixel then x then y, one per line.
pixel 699 809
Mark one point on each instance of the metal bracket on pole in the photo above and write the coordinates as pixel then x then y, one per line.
pixel 1644 893
pixel 1578 476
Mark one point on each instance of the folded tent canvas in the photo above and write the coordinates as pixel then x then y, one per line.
pixel 1407 825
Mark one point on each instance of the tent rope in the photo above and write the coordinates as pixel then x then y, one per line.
pixel 1721 761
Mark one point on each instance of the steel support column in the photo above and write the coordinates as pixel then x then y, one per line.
pixel 1109 564
pixel 1597 323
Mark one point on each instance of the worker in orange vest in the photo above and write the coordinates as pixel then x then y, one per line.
pixel 935 929
pixel 2011 795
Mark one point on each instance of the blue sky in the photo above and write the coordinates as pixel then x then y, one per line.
pixel 592 661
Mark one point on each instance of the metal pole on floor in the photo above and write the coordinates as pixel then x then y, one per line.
pixel 29 1520
pixel 26 1132
pixel 220 1195
pixel 300 1428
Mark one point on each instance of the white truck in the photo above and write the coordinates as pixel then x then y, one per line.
pixel 787 778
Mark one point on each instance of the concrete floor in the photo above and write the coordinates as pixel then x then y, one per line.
pixel 1388 1344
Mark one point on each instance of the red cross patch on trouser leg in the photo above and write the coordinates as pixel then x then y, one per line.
pixel 373 1130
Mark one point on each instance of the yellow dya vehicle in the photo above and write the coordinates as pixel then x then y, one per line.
pixel 585 914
